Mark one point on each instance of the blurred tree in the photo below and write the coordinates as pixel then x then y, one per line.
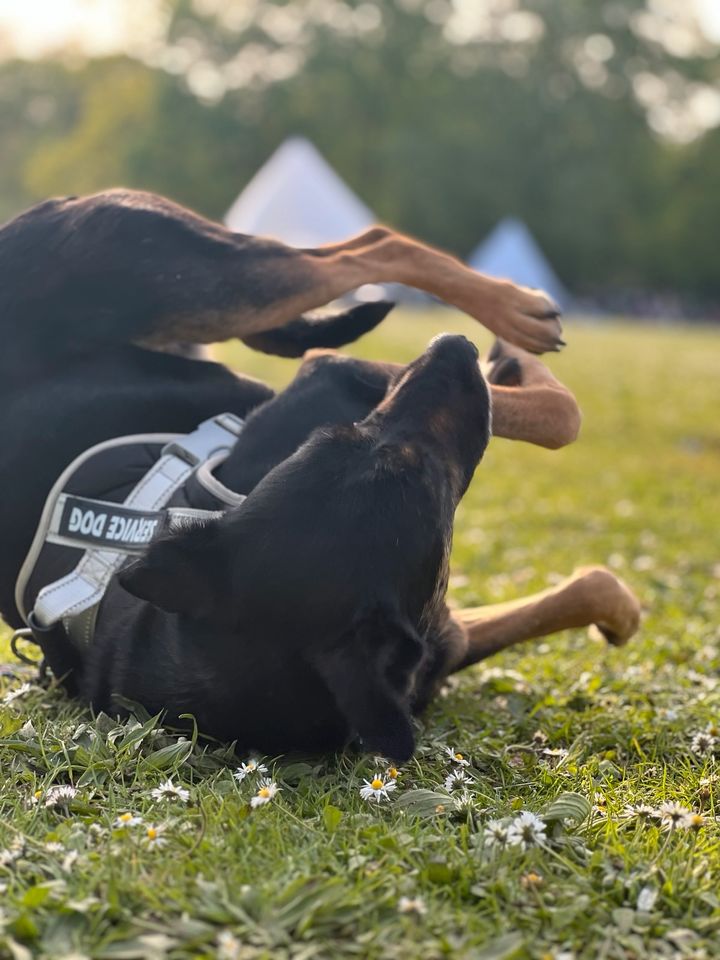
pixel 444 116
pixel 37 106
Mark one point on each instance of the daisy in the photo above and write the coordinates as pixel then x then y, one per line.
pixel 457 778
pixel 646 899
pixel 414 905
pixel 531 880
pixel 456 757
pixel 643 811
pixel 526 830
pixel 53 847
pixel 377 789
pixel 464 801
pixel 555 756
pixel 392 773
pixel 495 833
pixel 694 821
pixel 60 796
pixel 246 769
pixel 16 694
pixel 703 742
pixel 127 820
pixel 228 946
pixel 12 853
pixel 170 791
pixel 69 861
pixel 35 798
pixel 27 731
pixel 674 815
pixel 154 836
pixel 266 791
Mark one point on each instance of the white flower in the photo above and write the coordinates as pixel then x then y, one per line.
pixel 53 847
pixel 154 836
pixel 642 811
pixel 60 796
pixel 674 815
pixel 127 820
pixel 414 905
pixel 526 830
pixel 555 756
pixel 703 742
pixel 377 789
pixel 246 769
pixel 464 801
pixel 12 853
pixel 457 778
pixel 646 899
pixel 495 833
pixel 266 791
pixel 17 693
pixel 456 757
pixel 27 731
pixel 228 946
pixel 69 861
pixel 169 791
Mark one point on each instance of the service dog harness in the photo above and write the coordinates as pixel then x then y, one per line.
pixel 107 532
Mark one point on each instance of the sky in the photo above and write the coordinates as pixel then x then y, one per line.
pixel 102 26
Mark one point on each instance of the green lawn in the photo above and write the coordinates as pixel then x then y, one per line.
pixel 320 872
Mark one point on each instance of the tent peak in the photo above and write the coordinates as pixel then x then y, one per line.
pixel 297 197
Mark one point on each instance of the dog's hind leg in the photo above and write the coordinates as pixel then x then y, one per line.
pixel 592 595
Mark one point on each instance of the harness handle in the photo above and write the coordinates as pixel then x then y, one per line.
pixel 26 634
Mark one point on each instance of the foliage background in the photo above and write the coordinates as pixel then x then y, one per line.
pixel 595 121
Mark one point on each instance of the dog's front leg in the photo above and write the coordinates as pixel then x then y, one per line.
pixel 525 317
pixel 592 595
pixel 528 402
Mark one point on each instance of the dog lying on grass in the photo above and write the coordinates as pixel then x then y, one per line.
pixel 313 613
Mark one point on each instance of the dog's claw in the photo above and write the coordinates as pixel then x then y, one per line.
pixel 610 636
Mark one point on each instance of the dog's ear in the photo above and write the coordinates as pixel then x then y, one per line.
pixel 182 573
pixel 369 673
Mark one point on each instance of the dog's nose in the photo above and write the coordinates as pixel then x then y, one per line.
pixel 454 345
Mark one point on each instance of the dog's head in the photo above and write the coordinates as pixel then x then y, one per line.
pixel 341 550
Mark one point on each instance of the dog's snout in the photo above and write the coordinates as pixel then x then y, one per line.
pixel 454 345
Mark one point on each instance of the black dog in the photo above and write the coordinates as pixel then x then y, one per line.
pixel 315 611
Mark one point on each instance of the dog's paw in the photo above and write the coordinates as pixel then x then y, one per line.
pixel 501 367
pixel 618 610
pixel 527 318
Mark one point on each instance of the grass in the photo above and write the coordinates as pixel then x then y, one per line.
pixel 319 872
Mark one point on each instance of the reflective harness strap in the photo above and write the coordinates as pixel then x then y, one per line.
pixel 111 531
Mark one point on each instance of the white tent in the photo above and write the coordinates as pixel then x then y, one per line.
pixel 298 198
pixel 511 252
